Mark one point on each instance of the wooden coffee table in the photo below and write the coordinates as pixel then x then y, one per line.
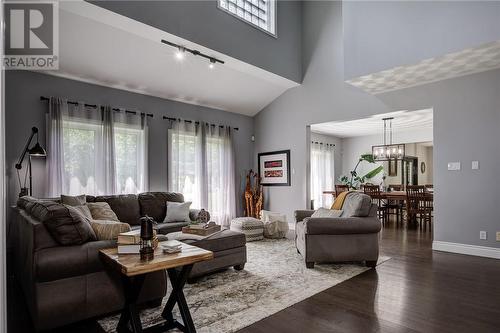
pixel 133 271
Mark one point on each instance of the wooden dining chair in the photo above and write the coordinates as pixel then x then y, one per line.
pixel 340 188
pixel 418 204
pixel 374 192
pixel 395 207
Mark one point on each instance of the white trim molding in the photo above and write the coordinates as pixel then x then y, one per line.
pixel 472 250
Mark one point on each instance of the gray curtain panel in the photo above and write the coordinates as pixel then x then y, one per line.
pixel 55 149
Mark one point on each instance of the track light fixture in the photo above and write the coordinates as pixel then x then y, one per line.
pixel 181 52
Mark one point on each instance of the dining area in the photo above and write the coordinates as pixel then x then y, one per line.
pixel 412 204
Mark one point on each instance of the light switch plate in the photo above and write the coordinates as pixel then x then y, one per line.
pixel 454 166
pixel 498 236
pixel 483 235
pixel 475 165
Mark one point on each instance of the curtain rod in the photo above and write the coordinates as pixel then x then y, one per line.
pixel 321 143
pixel 196 122
pixel 43 98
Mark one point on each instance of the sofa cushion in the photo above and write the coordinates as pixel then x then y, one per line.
pixel 126 207
pixel 154 203
pixel 323 212
pixel 356 204
pixel 102 211
pixel 165 228
pixel 66 224
pixel 340 226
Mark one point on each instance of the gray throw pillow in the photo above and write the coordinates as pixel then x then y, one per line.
pixel 78 200
pixel 84 209
pixel 177 211
pixel 67 225
pixel 324 212
pixel 357 205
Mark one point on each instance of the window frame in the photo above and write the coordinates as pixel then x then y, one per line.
pixel 273 17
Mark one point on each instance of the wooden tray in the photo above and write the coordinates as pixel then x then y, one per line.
pixel 201 232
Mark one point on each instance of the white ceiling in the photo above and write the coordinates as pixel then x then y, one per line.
pixel 102 47
pixel 403 121
pixel 472 60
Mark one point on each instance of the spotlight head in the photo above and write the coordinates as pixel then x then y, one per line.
pixel 212 64
pixel 180 53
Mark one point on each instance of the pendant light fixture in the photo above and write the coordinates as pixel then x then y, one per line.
pixel 388 151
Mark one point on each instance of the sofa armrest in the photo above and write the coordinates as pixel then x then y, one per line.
pixel 342 226
pixel 300 215
pixel 193 214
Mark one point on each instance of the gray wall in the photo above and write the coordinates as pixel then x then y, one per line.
pixel 466 123
pixel 25 110
pixel 383 34
pixel 322 97
pixel 203 23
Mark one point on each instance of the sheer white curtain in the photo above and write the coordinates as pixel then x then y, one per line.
pixel 201 166
pixel 95 151
pixel 185 161
pixel 322 173
pixel 220 169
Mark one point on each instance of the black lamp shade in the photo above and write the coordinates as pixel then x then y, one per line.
pixel 37 150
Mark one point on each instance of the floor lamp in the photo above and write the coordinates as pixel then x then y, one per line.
pixel 35 151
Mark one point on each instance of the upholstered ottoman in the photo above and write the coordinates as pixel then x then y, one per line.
pixel 229 248
pixel 251 227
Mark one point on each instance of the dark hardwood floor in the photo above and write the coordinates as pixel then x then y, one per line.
pixel 418 290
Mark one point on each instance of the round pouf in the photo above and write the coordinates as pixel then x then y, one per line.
pixel 251 227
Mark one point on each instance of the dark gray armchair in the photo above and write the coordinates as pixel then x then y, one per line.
pixel 351 237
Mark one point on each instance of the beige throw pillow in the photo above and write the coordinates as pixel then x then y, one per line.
pixel 108 230
pixel 102 211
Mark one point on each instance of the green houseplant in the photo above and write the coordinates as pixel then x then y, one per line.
pixel 354 181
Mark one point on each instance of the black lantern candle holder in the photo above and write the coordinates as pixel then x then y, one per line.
pixel 147 251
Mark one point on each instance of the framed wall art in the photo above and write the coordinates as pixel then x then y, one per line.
pixel 274 168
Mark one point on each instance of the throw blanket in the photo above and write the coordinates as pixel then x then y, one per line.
pixel 339 201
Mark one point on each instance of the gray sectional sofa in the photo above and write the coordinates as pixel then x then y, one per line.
pixel 63 284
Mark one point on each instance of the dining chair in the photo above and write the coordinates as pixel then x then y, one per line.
pixel 340 188
pixel 418 204
pixel 374 192
pixel 395 207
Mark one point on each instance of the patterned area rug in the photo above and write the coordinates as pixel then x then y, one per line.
pixel 274 278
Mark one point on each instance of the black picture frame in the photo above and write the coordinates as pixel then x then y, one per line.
pixel 285 167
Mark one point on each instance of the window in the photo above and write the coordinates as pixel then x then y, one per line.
pixel 322 174
pixel 259 13
pixel 83 156
pixel 201 166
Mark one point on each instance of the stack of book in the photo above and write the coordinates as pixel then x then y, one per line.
pixel 171 246
pixel 130 242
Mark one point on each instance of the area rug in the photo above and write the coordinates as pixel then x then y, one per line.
pixel 274 278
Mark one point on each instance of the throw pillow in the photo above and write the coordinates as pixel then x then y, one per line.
pixel 323 212
pixel 102 211
pixel 68 225
pixel 84 209
pixel 177 211
pixel 108 230
pixel 78 200
pixel 357 205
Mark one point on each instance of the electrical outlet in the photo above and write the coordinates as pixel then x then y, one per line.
pixel 498 236
pixel 483 235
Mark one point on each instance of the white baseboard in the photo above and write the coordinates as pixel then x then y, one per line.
pixel 472 250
